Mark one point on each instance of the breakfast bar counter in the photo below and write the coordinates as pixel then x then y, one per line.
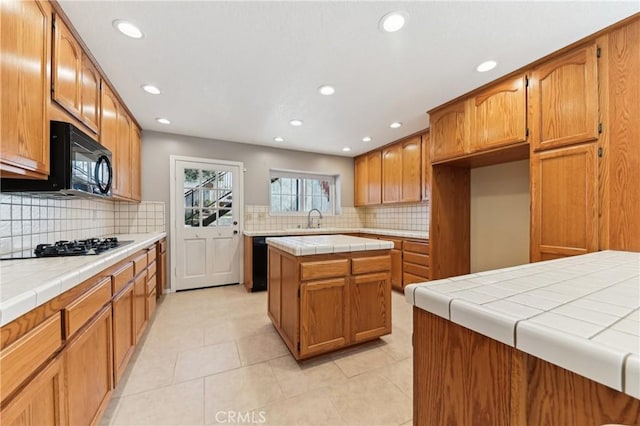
pixel 553 342
pixel 326 292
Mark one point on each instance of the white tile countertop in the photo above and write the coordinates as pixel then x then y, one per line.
pixel 320 231
pixel 581 313
pixel 324 244
pixel 28 283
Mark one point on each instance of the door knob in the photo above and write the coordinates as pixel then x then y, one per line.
pixel 235 222
pixel 235 232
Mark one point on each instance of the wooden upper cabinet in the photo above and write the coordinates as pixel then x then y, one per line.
pixel 368 179
pixel 564 206
pixel 123 163
pixel 564 99
pixel 67 69
pixel 426 167
pixel 392 174
pixel 449 132
pixel 499 115
pixel 25 91
pixel 361 183
pixel 136 140
pixel 411 173
pixel 90 95
pixel 109 108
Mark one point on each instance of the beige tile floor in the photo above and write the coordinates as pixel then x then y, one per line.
pixel 212 357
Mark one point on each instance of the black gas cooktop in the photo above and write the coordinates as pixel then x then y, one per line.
pixel 90 246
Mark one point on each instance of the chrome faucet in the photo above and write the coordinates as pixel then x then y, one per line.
pixel 309 222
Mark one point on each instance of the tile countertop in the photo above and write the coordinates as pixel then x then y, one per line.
pixel 580 313
pixel 324 244
pixel 320 231
pixel 28 283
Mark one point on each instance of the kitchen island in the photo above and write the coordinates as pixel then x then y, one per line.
pixel 553 342
pixel 326 292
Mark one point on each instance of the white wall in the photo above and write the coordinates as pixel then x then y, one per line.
pixel 500 216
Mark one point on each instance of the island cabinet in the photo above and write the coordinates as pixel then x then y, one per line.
pixel 24 122
pixel 320 303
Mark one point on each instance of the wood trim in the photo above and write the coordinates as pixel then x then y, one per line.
pixel 489 157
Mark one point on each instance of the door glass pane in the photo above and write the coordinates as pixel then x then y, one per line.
pixel 209 197
pixel 191 217
pixel 208 179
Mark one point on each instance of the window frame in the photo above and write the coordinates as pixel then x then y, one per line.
pixel 334 190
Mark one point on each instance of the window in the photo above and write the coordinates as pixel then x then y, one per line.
pixel 298 192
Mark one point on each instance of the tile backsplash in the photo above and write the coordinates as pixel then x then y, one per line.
pixel 409 217
pixel 26 221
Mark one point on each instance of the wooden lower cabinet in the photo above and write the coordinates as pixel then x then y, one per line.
pixel 41 401
pixel 326 302
pixel 90 371
pixel 140 305
pixel 415 262
pixel 161 253
pixel 123 331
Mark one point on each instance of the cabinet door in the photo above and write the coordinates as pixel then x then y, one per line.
pixel 41 401
pixel 136 193
pixel 392 174
pixel 449 132
pixel 123 337
pixel 67 69
pixel 24 121
pixel 411 173
pixel 109 129
pixel 426 167
pixel 123 163
pixel 140 304
pixel 564 99
pixel 396 269
pixel 90 90
pixel 324 322
pixel 564 210
pixel 370 306
pixel 162 274
pixel 499 115
pixel 90 371
pixel 374 178
pixel 361 182
pixel 274 295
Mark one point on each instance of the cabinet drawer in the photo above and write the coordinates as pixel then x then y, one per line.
pixel 162 246
pixel 81 310
pixel 151 304
pixel 122 277
pixel 22 358
pixel 151 269
pixel 151 282
pixel 151 255
pixel 418 259
pixel 416 247
pixel 414 269
pixel 365 265
pixel 408 278
pixel 324 269
pixel 139 263
pixel 397 242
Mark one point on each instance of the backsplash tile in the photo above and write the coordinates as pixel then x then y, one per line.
pixel 26 220
pixel 410 217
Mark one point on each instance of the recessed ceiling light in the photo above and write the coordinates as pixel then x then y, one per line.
pixel 366 139
pixel 163 121
pixel 395 125
pixel 278 139
pixel 296 123
pixel 127 28
pixel 393 21
pixel 346 149
pixel 326 90
pixel 486 66
pixel 151 89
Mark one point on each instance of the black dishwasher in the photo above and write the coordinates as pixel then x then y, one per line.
pixel 259 264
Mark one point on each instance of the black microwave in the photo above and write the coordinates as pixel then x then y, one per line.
pixel 79 166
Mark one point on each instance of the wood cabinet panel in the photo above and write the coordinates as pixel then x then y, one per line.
pixel 123 163
pixel 361 181
pixel 136 164
pixel 109 109
pixel 90 95
pixel 28 353
pixel 162 267
pixel 411 170
pixel 41 401
pixel 121 277
pixel 123 333
pixel 324 269
pixel 370 264
pixel 392 174
pixel 152 300
pixel 426 166
pixel 563 202
pixel 275 287
pixel 499 115
pixel 81 310
pixel 320 300
pixel 67 69
pixel 418 270
pixel 564 99
pixel 449 132
pixel 90 371
pixel 374 177
pixel 417 258
pixel 24 121
pixel 416 246
pixel 140 305
pixel 140 263
pixel 370 306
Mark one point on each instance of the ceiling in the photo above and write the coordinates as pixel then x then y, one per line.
pixel 240 71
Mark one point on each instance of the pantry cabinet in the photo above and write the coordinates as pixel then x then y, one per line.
pixel 24 122
pixel 449 131
pixel 499 114
pixel 564 208
pixel 564 99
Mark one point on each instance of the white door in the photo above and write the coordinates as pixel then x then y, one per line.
pixel 208 202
